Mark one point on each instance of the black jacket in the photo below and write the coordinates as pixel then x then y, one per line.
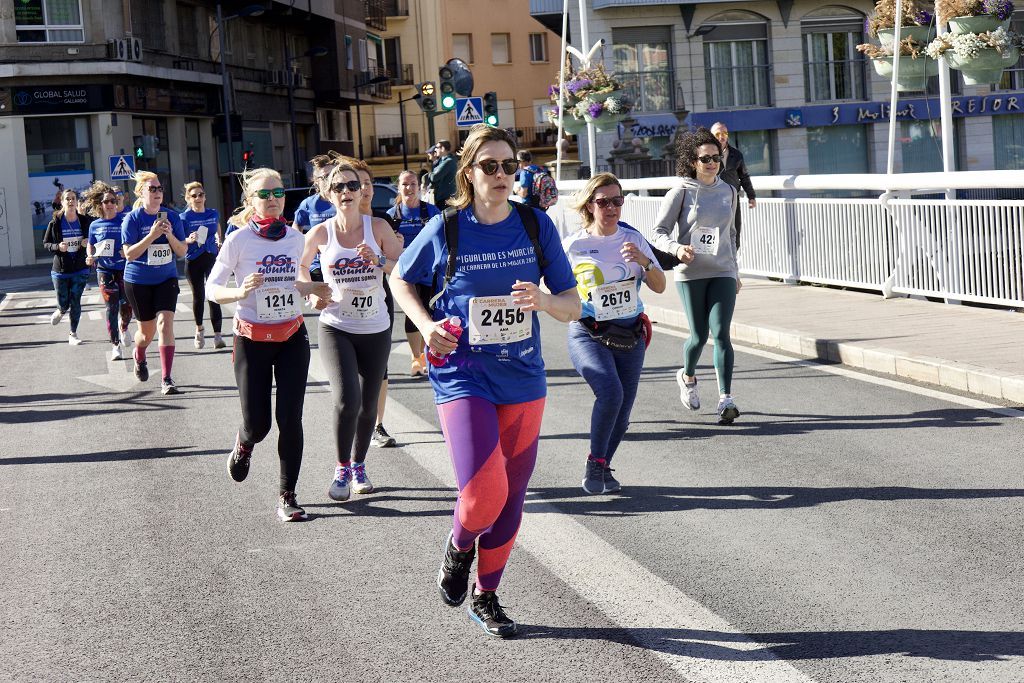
pixel 66 262
pixel 735 172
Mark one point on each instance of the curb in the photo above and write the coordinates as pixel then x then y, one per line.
pixel 939 372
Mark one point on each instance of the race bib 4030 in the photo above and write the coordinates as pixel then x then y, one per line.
pixel 495 320
pixel 159 254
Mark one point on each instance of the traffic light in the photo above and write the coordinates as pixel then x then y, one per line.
pixel 446 78
pixel 247 156
pixel 491 108
pixel 146 146
pixel 428 97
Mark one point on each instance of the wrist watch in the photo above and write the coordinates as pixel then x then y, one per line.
pixel 650 264
pixel 383 261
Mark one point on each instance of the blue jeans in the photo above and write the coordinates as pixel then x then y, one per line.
pixel 613 376
pixel 69 294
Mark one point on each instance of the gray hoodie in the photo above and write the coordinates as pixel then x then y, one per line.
pixel 705 214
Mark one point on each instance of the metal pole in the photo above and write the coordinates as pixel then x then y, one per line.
pixel 585 45
pixel 561 95
pixel 359 122
pixel 431 135
pixel 946 113
pixel 225 90
pixel 291 115
pixel 405 146
pixel 893 92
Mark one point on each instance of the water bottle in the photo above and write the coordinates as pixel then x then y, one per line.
pixel 452 326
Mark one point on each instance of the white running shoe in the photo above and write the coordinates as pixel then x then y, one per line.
pixel 341 488
pixel 115 352
pixel 218 342
pixel 727 410
pixel 56 316
pixel 360 482
pixel 688 394
pixel 199 341
pixel 74 340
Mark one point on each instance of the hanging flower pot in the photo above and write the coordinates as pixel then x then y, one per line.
pixel 602 96
pixel 984 68
pixel 913 75
pixel 922 34
pixel 572 125
pixel 606 122
pixel 977 24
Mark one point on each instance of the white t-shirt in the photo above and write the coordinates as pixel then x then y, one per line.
pixel 244 252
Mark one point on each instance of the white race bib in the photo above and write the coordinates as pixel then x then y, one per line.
pixel 104 248
pixel 274 304
pixel 615 300
pixel 360 304
pixel 202 232
pixel 495 320
pixel 159 254
pixel 705 241
pixel 73 244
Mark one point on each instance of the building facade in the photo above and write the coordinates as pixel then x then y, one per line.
pixel 786 78
pixel 83 82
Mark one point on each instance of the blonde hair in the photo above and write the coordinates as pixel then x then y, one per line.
pixel 91 200
pixel 243 214
pixel 586 195
pixel 141 178
pixel 398 182
pixel 479 135
pixel 194 185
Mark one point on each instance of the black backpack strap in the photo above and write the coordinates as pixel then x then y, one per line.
pixel 423 213
pixel 529 219
pixel 451 238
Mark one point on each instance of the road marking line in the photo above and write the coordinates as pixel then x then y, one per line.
pixel 643 604
pixel 870 379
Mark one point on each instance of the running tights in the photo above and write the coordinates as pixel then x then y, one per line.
pixel 111 284
pixel 348 357
pixel 197 270
pixel 613 376
pixel 709 305
pixel 493 450
pixel 257 365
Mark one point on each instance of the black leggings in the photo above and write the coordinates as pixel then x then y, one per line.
pixel 197 270
pixel 257 364
pixel 424 292
pixel 347 357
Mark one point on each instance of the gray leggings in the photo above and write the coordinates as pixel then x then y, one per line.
pixel 347 357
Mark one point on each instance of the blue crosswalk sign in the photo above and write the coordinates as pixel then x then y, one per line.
pixel 469 111
pixel 122 166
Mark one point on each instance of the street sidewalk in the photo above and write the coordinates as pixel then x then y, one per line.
pixel 970 349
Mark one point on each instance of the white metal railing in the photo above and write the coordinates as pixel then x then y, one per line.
pixel 958 250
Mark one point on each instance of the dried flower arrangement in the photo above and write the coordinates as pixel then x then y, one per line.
pixel 914 14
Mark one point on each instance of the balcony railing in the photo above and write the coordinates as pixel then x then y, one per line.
pixel 376 16
pixel 404 76
pixel 378 90
pixel 391 145
pixel 536 136
pixel 396 8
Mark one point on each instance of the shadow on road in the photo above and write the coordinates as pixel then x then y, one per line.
pixel 115 456
pixel 951 645
pixel 371 505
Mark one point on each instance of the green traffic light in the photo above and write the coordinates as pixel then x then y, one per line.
pixel 448 102
pixel 138 152
pixel 492 120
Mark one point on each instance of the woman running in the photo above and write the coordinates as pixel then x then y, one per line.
pixel 202 226
pixel 317 208
pixel 153 236
pixel 491 387
pixel 696 222
pixel 104 252
pixel 355 330
pixel 607 345
pixel 270 339
pixel 412 214
pixel 64 238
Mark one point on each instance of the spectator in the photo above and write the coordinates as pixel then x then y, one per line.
pixel 442 177
pixel 734 171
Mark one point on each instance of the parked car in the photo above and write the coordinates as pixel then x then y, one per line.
pixel 384 196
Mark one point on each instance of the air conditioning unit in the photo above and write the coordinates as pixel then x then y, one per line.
pixel 278 77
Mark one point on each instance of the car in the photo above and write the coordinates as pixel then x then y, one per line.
pixel 384 195
pixel 293 196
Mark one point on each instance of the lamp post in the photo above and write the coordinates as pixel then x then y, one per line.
pixel 225 85
pixel 290 75
pixel 359 121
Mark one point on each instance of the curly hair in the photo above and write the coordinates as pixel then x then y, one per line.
pixel 686 150
pixel 91 200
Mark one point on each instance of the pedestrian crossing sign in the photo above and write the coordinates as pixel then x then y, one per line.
pixel 468 111
pixel 122 167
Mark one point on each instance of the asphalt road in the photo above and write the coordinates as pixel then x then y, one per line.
pixel 841 530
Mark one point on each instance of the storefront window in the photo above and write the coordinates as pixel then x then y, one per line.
pixel 1008 140
pixel 921 145
pixel 49 21
pixel 756 146
pixel 837 149
pixel 59 157
pixel 194 156
pixel 156 158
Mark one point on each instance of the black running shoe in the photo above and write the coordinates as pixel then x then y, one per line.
pixel 238 460
pixel 453 576
pixel 593 477
pixel 141 371
pixel 485 610
pixel 381 438
pixel 289 510
pixel 611 484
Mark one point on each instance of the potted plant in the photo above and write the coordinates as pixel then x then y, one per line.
pixel 590 95
pixel 980 57
pixel 974 16
pixel 915 67
pixel 917 22
pixel 606 113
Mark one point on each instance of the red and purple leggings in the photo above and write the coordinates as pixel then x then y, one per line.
pixel 493 450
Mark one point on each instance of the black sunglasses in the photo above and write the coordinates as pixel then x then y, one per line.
pixel 155 188
pixel 277 192
pixel 350 185
pixel 490 166
pixel 709 158
pixel 603 202
pixel 109 201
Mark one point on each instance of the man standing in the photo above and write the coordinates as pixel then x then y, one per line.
pixel 734 171
pixel 442 177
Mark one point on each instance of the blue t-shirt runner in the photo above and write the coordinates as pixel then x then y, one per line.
pixel 411 221
pixel 205 224
pixel 105 236
pixel 491 258
pixel 137 225
pixel 313 210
